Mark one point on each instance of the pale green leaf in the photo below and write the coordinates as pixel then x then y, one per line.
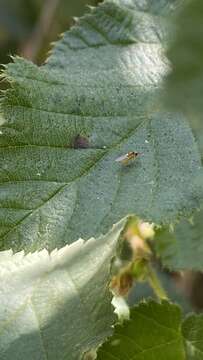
pixel 156 7
pixel 56 306
pixel 154 332
pixel 192 329
pixel 184 82
pixel 100 82
pixel 182 247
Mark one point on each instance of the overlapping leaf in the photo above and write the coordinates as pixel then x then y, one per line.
pixel 156 331
pixel 98 88
pixel 182 248
pixel 56 306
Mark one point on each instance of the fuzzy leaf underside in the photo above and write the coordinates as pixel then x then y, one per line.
pixel 56 306
pixel 156 7
pixel 156 331
pixel 100 82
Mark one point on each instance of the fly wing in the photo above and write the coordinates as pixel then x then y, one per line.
pixel 122 158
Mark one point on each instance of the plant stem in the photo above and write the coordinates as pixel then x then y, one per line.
pixel 155 284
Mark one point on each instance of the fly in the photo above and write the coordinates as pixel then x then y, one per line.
pixel 125 159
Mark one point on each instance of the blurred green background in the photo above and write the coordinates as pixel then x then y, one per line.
pixel 27 27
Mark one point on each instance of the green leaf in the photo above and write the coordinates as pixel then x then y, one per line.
pixel 184 82
pixel 154 332
pixel 97 90
pixel 156 7
pixel 182 248
pixel 192 329
pixel 56 306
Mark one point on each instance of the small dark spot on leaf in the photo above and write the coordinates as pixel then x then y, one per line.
pixel 81 142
